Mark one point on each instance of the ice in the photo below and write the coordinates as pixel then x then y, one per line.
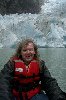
pixel 47 28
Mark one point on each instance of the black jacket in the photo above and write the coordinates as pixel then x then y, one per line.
pixel 49 84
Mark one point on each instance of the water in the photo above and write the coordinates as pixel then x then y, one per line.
pixel 55 59
pixel 5 54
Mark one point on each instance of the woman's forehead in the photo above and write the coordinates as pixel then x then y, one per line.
pixel 30 44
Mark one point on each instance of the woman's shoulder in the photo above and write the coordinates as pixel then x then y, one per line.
pixel 42 62
pixel 13 58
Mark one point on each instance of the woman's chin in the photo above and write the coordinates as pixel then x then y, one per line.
pixel 28 59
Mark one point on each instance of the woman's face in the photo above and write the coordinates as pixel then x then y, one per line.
pixel 28 52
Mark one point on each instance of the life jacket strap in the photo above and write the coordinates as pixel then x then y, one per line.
pixel 26 87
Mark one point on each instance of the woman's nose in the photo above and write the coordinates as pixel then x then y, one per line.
pixel 28 51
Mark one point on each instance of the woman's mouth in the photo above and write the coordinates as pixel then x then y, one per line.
pixel 28 56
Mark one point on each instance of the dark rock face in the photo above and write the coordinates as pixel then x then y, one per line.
pixel 20 6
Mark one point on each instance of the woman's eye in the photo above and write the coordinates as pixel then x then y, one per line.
pixel 24 50
pixel 31 49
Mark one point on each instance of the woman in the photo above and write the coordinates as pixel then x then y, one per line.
pixel 25 77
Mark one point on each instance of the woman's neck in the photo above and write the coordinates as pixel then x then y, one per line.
pixel 26 62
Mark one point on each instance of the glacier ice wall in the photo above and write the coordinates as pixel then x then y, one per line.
pixel 52 22
pixel 48 28
pixel 14 28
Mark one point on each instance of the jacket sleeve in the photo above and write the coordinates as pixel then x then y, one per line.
pixel 6 77
pixel 50 85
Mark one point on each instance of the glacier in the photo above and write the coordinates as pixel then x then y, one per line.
pixel 47 29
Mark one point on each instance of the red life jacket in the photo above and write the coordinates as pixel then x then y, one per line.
pixel 26 80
